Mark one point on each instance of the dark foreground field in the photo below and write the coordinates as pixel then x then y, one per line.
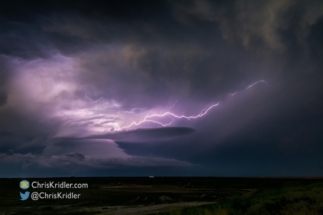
pixel 205 196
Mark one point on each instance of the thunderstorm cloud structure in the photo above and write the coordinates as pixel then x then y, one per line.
pixel 165 88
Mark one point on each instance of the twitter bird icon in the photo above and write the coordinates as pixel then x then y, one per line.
pixel 24 196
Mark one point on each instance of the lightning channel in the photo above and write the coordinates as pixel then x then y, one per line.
pixel 153 118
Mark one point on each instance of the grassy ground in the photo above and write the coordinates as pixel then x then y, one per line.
pixel 118 196
pixel 297 200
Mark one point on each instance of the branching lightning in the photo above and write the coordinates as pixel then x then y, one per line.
pixel 152 118
pixel 172 115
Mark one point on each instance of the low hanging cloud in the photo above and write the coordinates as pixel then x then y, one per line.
pixel 77 159
pixel 95 153
pixel 140 135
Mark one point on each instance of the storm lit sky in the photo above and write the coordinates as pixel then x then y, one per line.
pixel 164 88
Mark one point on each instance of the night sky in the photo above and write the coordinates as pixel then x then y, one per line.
pixel 164 88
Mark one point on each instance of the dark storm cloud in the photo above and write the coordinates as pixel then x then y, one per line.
pixel 82 68
pixel 5 74
pixel 161 56
pixel 256 24
pixel 3 98
pixel 281 33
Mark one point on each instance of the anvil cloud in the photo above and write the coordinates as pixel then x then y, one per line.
pixel 161 88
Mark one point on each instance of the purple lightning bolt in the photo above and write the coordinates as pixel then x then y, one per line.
pixel 151 118
pixel 173 115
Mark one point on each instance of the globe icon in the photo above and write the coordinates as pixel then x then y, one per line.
pixel 24 184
